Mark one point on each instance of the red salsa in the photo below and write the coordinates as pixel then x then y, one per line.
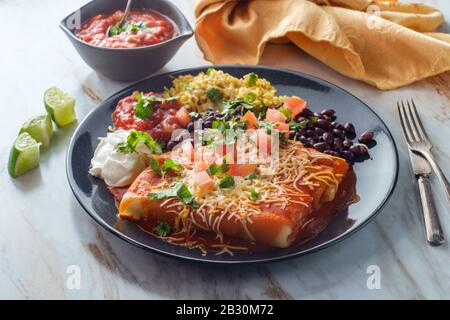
pixel 166 117
pixel 142 28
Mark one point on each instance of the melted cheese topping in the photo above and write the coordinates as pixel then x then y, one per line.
pixel 296 167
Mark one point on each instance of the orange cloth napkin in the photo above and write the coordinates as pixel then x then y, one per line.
pixel 387 44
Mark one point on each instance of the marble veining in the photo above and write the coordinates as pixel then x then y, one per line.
pixel 43 229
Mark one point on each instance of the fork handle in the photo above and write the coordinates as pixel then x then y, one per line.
pixel 433 228
pixel 441 177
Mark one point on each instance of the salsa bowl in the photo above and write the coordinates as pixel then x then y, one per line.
pixel 127 64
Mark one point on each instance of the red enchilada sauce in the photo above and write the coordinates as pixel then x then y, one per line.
pixel 143 28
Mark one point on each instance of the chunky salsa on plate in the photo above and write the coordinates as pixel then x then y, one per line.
pixel 224 164
pixel 143 28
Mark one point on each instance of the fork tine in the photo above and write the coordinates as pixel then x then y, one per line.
pixel 418 122
pixel 401 113
pixel 411 123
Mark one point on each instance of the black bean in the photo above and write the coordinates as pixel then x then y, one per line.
pixel 292 134
pixel 171 144
pixel 347 143
pixel 327 137
pixel 190 126
pixel 349 128
pixel 306 113
pixel 338 133
pixel 318 115
pixel 304 141
pixel 337 145
pixel 331 153
pixel 359 149
pixel 207 124
pixel 348 155
pixel 301 132
pixel 312 141
pixel 333 117
pixel 328 112
pixel 337 125
pixel 324 124
pixel 319 131
pixel 210 118
pixel 366 137
pixel 311 133
pixel 321 146
pixel 328 118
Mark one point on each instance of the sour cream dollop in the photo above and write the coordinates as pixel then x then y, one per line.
pixel 116 168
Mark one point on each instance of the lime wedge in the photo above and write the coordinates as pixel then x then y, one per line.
pixel 60 105
pixel 40 128
pixel 24 155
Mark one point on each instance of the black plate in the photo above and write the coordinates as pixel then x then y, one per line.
pixel 376 178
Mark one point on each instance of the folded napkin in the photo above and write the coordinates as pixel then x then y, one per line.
pixel 384 43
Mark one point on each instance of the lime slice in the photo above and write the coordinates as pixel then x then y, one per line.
pixel 24 155
pixel 40 128
pixel 60 105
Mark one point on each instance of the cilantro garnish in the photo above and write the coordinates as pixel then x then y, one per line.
pixel 254 195
pixel 226 182
pixel 214 95
pixel 209 70
pixel 285 112
pixel 251 176
pixel 216 169
pixel 163 229
pixel 250 97
pixel 180 191
pixel 252 78
pixel 173 165
pixel 154 164
pixel 133 139
pixel 298 125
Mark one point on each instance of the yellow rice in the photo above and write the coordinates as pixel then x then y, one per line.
pixel 191 90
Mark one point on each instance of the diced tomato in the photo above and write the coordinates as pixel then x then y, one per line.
pixel 203 181
pixel 274 115
pixel 183 153
pixel 201 165
pixel 282 127
pixel 295 105
pixel 251 119
pixel 242 170
pixel 170 124
pixel 183 116
pixel 263 141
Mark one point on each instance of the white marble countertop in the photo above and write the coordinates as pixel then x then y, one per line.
pixel 43 229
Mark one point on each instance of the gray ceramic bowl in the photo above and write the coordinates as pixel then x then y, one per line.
pixel 127 64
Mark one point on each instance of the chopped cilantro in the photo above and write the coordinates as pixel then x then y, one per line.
pixel 250 97
pixel 209 70
pixel 251 176
pixel 173 165
pixel 216 169
pixel 313 119
pixel 154 164
pixel 180 191
pixel 285 112
pixel 214 95
pixel 133 139
pixel 254 195
pixel 252 78
pixel 163 229
pixel 298 125
pixel 226 182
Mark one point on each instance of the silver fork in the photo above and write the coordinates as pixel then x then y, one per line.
pixel 418 140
